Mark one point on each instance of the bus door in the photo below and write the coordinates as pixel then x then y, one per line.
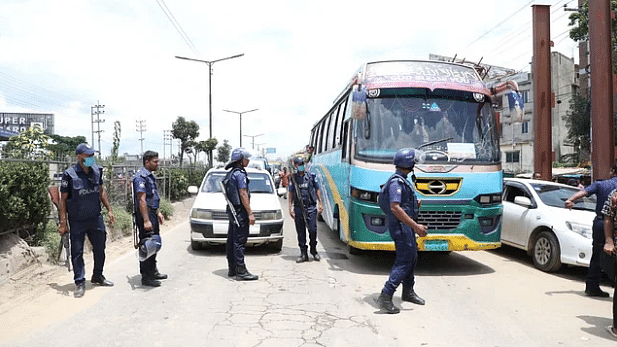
pixel 346 168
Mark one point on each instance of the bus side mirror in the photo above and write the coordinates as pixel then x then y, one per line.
pixel 358 103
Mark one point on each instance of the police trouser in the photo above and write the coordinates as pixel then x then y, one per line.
pixel 594 273
pixel 147 268
pixel 95 229
pixel 236 239
pixel 311 215
pixel 406 258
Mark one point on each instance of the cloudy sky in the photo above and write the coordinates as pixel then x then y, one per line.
pixel 63 56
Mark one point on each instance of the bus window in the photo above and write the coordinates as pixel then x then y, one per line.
pixel 320 140
pixel 341 118
pixel 332 129
pixel 345 134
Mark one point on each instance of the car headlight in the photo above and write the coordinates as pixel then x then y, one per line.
pixel 197 213
pixel 584 230
pixel 272 215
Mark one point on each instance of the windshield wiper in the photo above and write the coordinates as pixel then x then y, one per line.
pixel 435 142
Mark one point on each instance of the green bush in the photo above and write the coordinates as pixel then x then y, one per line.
pixel 124 220
pixel 24 197
pixel 166 208
pixel 49 238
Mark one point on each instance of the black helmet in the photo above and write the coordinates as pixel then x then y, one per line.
pixel 298 160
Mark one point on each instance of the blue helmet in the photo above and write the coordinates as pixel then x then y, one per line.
pixel 298 160
pixel 408 157
pixel 240 153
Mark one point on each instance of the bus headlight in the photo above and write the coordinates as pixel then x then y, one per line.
pixel 488 199
pixel 364 195
pixel 581 229
pixel 197 213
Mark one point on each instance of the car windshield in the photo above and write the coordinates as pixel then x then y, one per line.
pixel 411 117
pixel 556 196
pixel 258 183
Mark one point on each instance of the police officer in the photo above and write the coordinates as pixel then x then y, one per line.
pixel 601 189
pixel 81 196
pixel 237 189
pixel 148 218
pixel 308 197
pixel 403 208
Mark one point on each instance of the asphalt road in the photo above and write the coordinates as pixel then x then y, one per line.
pixel 488 298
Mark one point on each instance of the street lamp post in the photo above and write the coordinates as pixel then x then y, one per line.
pixel 253 139
pixel 210 63
pixel 240 113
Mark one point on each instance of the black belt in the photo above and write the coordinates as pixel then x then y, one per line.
pixel 152 209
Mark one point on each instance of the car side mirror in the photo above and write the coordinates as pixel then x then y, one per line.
pixel 193 190
pixel 523 201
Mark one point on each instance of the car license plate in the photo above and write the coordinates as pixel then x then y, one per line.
pixel 436 245
pixel 254 229
pixel 220 229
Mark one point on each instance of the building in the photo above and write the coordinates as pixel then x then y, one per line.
pixel 517 135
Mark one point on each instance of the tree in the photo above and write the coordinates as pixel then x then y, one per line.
pixel 113 158
pixel 223 151
pixel 209 146
pixel 201 146
pixel 31 143
pixel 185 132
pixel 580 22
pixel 63 147
pixel 578 121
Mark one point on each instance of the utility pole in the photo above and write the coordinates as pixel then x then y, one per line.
pixel 167 138
pixel 99 110
pixel 141 127
pixel 253 139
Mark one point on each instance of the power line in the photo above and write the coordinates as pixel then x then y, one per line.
pixel 178 27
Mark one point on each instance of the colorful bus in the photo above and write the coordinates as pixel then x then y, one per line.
pixel 443 108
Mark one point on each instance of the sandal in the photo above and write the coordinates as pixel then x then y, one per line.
pixel 611 331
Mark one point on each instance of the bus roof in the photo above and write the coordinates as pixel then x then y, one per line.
pixel 421 74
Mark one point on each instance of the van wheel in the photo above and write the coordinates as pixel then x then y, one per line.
pixel 546 253
pixel 277 246
pixel 196 246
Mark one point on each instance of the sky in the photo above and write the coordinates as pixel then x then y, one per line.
pixel 63 57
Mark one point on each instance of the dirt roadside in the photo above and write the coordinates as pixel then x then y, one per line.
pixel 33 280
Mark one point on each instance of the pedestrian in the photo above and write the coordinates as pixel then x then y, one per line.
pixel 284 179
pixel 398 201
pixel 148 219
pixel 601 189
pixel 304 204
pixel 81 196
pixel 237 190
pixel 537 176
pixel 609 248
pixel 308 155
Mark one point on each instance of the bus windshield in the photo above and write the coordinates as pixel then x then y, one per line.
pixel 410 117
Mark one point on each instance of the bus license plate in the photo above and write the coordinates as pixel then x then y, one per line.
pixel 437 245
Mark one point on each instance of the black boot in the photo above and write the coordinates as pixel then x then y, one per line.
pixel 303 257
pixel 242 274
pixel 594 290
pixel 385 304
pixel 411 296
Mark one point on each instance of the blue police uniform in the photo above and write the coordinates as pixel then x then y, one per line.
pixel 400 190
pixel 237 236
pixel 84 217
pixel 307 185
pixel 145 182
pixel 601 189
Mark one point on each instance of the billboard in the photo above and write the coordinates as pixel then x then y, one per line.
pixel 18 122
pixel 271 150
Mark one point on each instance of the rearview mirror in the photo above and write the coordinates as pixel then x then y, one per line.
pixel 193 190
pixel 523 201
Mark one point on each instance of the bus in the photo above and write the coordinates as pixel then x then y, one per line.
pixel 444 108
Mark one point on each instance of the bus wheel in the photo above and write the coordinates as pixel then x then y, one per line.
pixel 546 253
pixel 353 250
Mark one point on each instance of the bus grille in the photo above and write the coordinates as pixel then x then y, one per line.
pixel 440 220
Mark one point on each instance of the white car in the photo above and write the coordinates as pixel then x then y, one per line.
pixel 209 221
pixel 535 219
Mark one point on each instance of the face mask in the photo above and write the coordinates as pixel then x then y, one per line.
pixel 301 168
pixel 89 161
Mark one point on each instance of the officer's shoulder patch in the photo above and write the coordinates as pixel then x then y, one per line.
pixel 65 183
pixel 399 191
pixel 142 184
